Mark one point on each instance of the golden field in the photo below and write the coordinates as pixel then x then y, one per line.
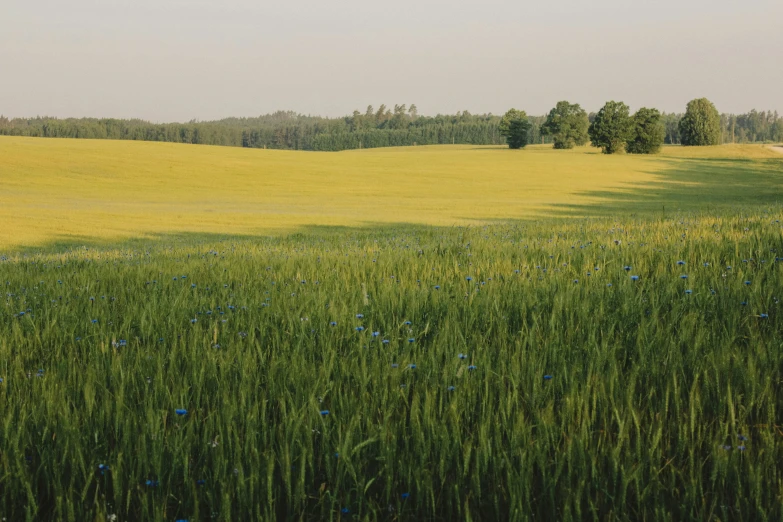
pixel 65 191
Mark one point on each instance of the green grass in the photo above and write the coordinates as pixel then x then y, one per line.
pixel 648 382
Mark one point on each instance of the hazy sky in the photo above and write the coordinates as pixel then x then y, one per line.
pixel 174 60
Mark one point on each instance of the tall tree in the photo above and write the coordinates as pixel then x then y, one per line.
pixel 611 128
pixel 647 132
pixel 514 126
pixel 567 124
pixel 701 124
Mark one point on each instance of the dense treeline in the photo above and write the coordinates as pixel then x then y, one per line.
pixel 383 127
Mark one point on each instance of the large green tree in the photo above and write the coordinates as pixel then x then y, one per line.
pixel 567 124
pixel 611 127
pixel 514 126
pixel 701 123
pixel 647 132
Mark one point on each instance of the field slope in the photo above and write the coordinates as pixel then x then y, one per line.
pixel 71 191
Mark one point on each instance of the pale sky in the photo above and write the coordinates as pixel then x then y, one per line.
pixel 175 60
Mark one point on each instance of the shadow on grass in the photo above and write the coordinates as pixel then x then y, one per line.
pixel 688 184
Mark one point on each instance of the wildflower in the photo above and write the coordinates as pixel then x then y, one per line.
pixel 469 278
pixel 680 263
pixel 405 496
pixel 463 356
pixel 333 323
pixel 576 281
pixel 395 365
pixel 727 447
pixel 385 341
pixel 411 340
pixel 451 388
pixel 747 283
pixel 684 276
pixel 181 411
pixel 471 367
pixel 376 334
pixel 609 284
pixel 193 321
pixel 547 377
pixel 360 316
pixel 742 437
pixel 94 321
pixel 345 511
pixel 627 268
pixel 689 292
pixel 412 366
pixel 741 448
pixel 437 287
pixel 407 323
pixel 763 316
pixel 360 328
pixel 634 278
pixel 152 483
pixel 324 413
pixel 706 264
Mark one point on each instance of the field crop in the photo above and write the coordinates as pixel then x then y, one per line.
pixel 598 366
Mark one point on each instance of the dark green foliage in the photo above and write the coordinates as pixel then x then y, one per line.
pixel 567 123
pixel 514 126
pixel 611 128
pixel 701 124
pixel 647 132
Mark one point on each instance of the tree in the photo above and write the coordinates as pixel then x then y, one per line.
pixel 514 126
pixel 701 124
pixel 611 128
pixel 647 132
pixel 567 124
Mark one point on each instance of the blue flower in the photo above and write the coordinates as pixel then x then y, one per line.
pixel 471 367
pixel 634 278
pixel 744 303
pixel 345 511
pixel 728 268
pixel 741 448
pixel 407 323
pixel 547 377
pixel 747 283
pixel 763 316
pixel 385 341
pixel 324 412
pixel 376 334
pixel 181 411
pixel 201 482
pixel 152 483
pixel 395 365
pixel 469 278
pixel 405 496
pixel 411 340
pixel 412 366
pixel 742 437
pixel 689 291
pixel 193 321
pixel 684 276
pixel 437 287
pixel 627 268
pixel 609 284
pixel 103 467
pixel 94 321
pixel 463 356
pixel 680 263
pixel 360 316
pixel 333 323
pixel 360 328
pixel 706 264
pixel 576 281
pixel 451 388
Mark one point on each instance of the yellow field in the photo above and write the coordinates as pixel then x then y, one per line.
pixel 58 190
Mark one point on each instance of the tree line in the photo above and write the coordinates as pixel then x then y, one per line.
pixel 615 130
pixel 399 125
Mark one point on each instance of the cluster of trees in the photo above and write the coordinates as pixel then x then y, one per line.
pixel 567 125
pixel 615 130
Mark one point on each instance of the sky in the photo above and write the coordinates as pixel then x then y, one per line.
pixel 177 60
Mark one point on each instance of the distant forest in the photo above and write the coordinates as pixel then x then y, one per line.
pixel 383 127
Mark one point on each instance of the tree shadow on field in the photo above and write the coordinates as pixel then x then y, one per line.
pixel 688 184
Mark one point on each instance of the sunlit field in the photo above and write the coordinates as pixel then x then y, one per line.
pixel 76 191
pixel 445 333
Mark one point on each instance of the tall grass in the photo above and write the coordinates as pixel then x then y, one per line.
pixel 577 400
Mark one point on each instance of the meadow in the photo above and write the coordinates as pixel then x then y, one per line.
pixel 430 333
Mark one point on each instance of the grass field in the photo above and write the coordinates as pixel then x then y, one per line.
pixel 81 191
pixel 555 347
